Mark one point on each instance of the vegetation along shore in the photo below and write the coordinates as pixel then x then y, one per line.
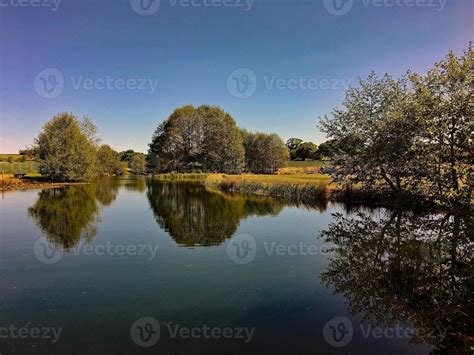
pixel 395 141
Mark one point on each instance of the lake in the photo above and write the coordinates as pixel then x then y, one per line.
pixel 139 266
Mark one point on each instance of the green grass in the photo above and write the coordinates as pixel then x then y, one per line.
pixel 15 158
pixel 28 167
pixel 306 163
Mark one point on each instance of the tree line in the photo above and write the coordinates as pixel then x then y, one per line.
pixel 69 149
pixel 207 139
pixel 408 136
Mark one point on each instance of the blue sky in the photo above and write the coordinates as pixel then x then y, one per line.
pixel 128 72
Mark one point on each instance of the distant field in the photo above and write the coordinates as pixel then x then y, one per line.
pixel 306 164
pixel 28 167
pixel 14 157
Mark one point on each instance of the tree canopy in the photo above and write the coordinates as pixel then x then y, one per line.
pixel 207 139
pixel 411 135
pixel 66 148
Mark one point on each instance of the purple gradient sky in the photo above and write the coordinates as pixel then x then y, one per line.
pixel 191 51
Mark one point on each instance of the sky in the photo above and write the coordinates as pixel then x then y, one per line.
pixel 274 65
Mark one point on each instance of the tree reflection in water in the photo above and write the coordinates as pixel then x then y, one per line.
pixel 71 214
pixel 193 215
pixel 400 268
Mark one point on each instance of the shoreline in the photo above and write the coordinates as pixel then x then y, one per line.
pixel 310 189
pixel 10 184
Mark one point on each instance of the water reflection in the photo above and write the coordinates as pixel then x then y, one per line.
pixel 395 266
pixel 71 214
pixel 193 215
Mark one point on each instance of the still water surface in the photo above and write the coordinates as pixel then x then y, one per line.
pixel 135 266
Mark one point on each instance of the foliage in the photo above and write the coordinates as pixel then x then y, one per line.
pixel 300 150
pixel 138 164
pixel 67 148
pixel 293 143
pixel 193 215
pixel 411 136
pixel 204 138
pixel 264 153
pixel 327 149
pixel 444 103
pixel 398 265
pixel 108 161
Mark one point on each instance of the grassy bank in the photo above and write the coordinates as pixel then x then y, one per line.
pixel 309 189
pixel 305 188
pixel 33 181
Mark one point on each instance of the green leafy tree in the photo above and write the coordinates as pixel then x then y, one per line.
pixel 108 161
pixel 327 149
pixel 127 155
pixel 204 138
pixel 293 143
pixel 264 153
pixel 138 164
pixel 66 149
pixel 444 99
pixel 306 150
pixel 375 134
